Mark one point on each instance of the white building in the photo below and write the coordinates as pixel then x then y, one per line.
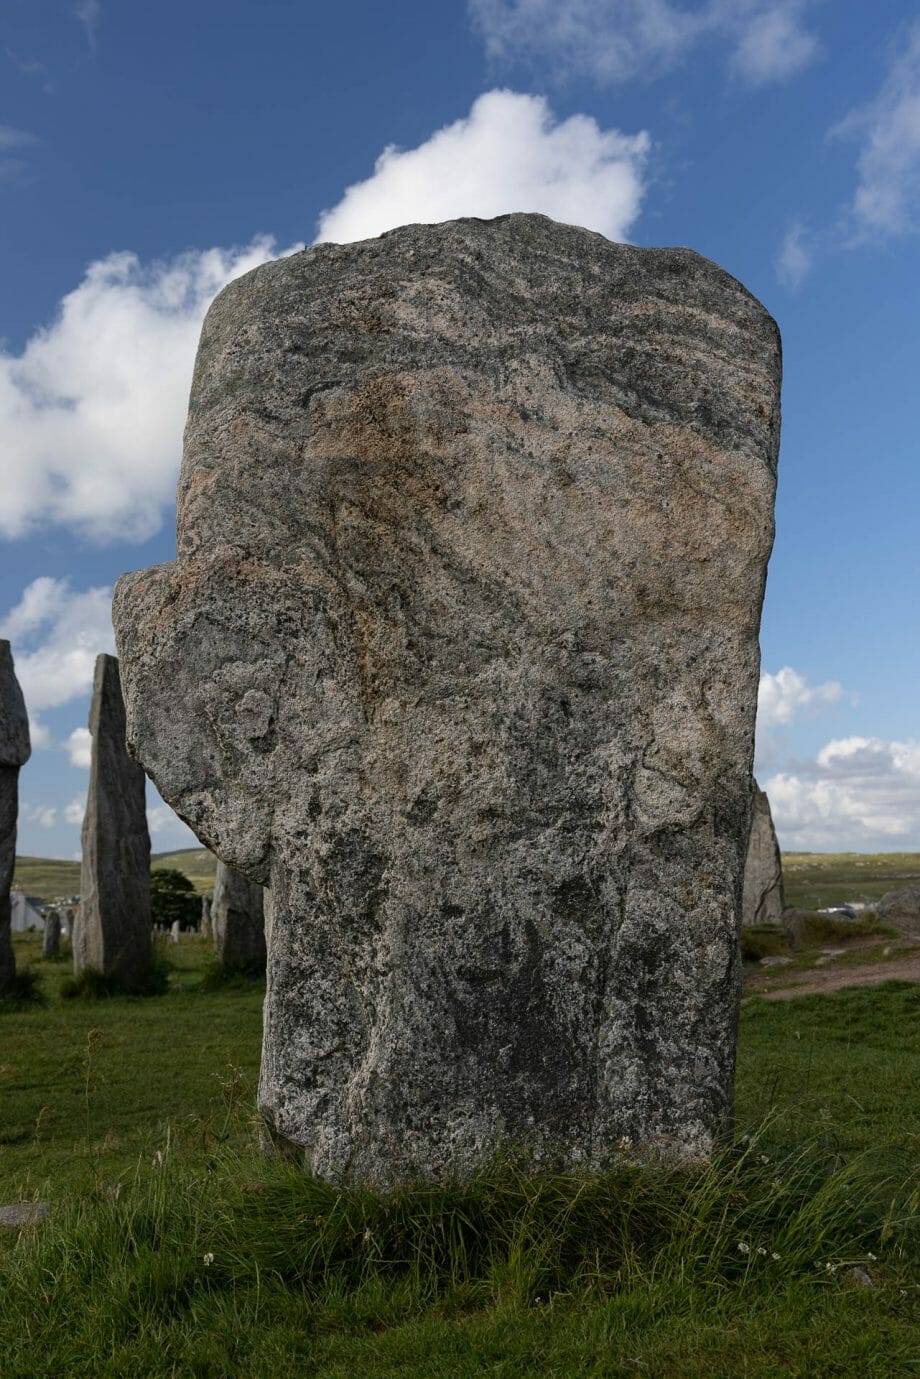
pixel 24 914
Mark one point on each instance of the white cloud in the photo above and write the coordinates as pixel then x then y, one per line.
pixel 80 747
pixel 92 411
pixel 166 826
pixel 784 696
pixel 614 40
pixel 772 46
pixel 887 198
pixel 858 794
pixel 39 736
pixel 14 138
pixel 88 12
pixel 73 812
pixel 42 814
pixel 793 263
pixel 56 636
pixel 508 154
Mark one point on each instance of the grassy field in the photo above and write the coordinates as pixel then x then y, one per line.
pixel 175 1248
pixel 47 878
pixel 814 880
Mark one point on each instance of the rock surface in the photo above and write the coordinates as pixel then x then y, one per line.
pixel 762 895
pixel 204 927
pixel 901 909
pixel 459 656
pixel 14 752
pixel 237 920
pixel 51 942
pixel 114 930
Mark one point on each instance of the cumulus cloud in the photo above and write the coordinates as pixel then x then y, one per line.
pixel 80 747
pixel 887 198
pixel 39 736
pixel 73 812
pixel 783 697
pixel 93 408
pixel 44 815
pixel 508 154
pixel 56 635
pixel 794 261
pixel 614 40
pixel 860 793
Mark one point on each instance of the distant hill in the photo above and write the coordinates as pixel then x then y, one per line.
pixel 47 878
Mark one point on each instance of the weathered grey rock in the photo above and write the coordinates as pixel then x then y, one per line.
pixel 205 926
pixel 51 943
pixel 175 931
pixel 901 909
pixel 19 1214
pixel 237 920
pixel 113 933
pixel 762 895
pixel 14 753
pixel 459 656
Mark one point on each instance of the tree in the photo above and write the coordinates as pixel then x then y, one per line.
pixel 173 897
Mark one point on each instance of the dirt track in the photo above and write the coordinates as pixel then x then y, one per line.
pixel 818 981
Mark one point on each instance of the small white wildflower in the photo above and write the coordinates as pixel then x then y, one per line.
pixel 831 1268
pixel 761 1250
pixel 624 1142
pixel 870 1255
pixel 743 1247
pixel 774 1255
pixel 157 1158
pixel 208 1258
pixel 763 1158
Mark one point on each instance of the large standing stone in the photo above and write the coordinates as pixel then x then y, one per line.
pixel 237 920
pixel 113 933
pixel 459 655
pixel 762 895
pixel 14 752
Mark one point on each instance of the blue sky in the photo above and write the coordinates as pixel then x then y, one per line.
pixel 149 153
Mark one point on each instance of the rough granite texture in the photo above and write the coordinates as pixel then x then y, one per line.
pixel 238 920
pixel 459 657
pixel 15 749
pixel 114 930
pixel 762 894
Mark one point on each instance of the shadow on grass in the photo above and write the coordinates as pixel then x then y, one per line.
pixel 23 992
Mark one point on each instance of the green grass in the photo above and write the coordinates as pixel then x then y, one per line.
pixel 813 880
pixel 176 1249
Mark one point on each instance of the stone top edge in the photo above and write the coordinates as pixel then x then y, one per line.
pixel 535 220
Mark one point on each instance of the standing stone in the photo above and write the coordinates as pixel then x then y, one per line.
pixel 113 934
pixel 205 926
pixel 459 656
pixel 51 943
pixel 175 931
pixel 762 895
pixel 237 921
pixel 14 752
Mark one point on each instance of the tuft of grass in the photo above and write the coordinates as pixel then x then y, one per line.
pixel 761 941
pixel 93 985
pixel 238 1266
pixel 23 992
pixel 216 976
